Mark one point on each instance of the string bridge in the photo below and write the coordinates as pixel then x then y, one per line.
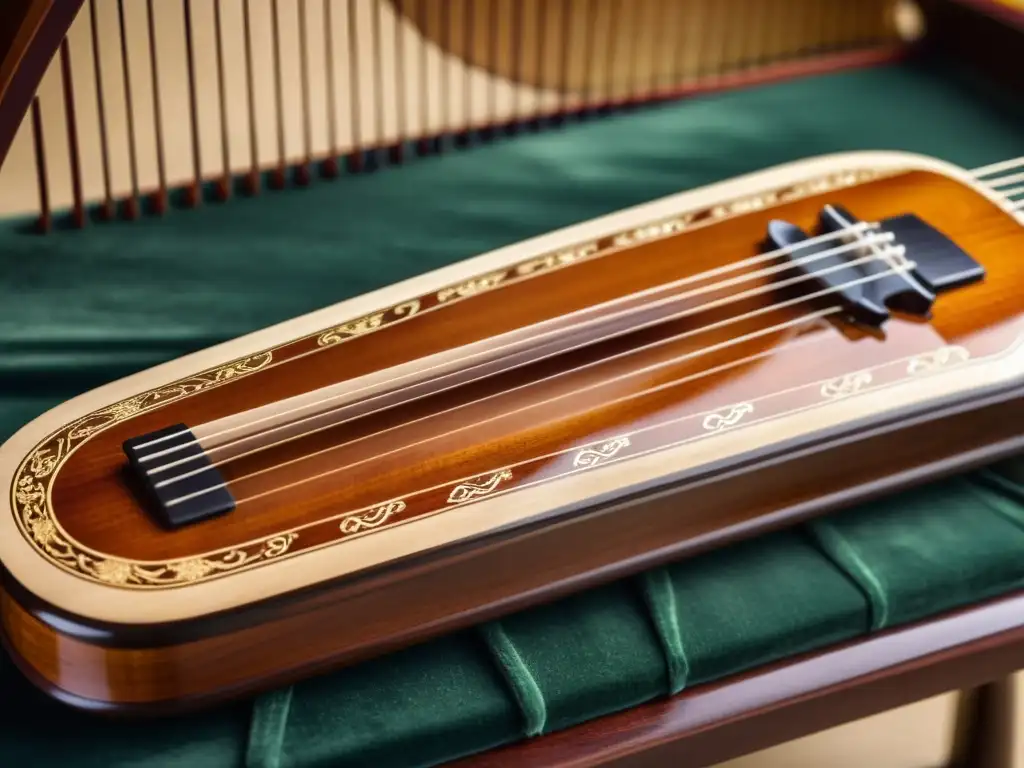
pixel 899 265
pixel 197 494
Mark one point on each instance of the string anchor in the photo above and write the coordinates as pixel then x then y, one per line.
pixel 201 496
pixel 919 265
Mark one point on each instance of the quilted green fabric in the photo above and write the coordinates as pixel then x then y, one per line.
pixel 81 308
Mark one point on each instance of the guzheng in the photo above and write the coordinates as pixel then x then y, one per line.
pixel 589 402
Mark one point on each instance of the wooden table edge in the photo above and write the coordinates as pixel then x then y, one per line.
pixel 794 698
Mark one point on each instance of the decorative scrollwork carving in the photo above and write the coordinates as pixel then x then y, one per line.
pixel 847 385
pixel 354 328
pixel 944 357
pixel 591 457
pixel 716 422
pixel 557 259
pixel 31 508
pixel 471 287
pixel 368 323
pixel 373 518
pixel 480 486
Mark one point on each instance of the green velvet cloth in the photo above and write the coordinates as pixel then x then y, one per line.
pixel 81 308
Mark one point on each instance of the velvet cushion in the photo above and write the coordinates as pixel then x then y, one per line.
pixel 81 308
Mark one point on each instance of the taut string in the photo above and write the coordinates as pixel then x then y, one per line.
pixel 979 173
pixel 803 319
pixel 856 229
pixel 635 350
pixel 798 341
pixel 1015 178
pixel 577 392
pixel 530 361
pixel 1000 167
pixel 886 237
pixel 997 183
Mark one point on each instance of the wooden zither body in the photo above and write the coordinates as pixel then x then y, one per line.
pixel 550 415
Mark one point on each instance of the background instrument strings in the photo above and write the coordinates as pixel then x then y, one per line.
pixel 147 101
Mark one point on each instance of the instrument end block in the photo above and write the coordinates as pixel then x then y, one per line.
pixel 172 472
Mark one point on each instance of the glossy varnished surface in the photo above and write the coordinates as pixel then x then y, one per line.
pixel 181 636
pixel 515 424
pixel 161 668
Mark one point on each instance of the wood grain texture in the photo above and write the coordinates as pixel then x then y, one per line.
pixel 188 665
pixel 576 400
pixel 401 600
pixel 154 657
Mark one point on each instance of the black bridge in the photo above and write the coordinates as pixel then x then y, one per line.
pixel 175 478
pixel 873 278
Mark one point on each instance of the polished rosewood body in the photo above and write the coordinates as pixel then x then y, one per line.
pixel 757 405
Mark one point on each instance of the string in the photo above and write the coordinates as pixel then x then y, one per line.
pixel 1015 178
pixel 574 393
pixel 748 294
pixel 789 345
pixel 803 319
pixel 879 253
pixel 977 172
pixel 557 351
pixel 1006 179
pixel 787 251
pixel 1000 167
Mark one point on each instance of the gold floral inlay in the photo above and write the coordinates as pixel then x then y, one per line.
pixel 557 259
pixel 355 328
pixel 847 385
pixel 716 422
pixel 480 486
pixel 945 357
pixel 127 573
pixel 367 324
pixel 373 518
pixel 32 481
pixel 471 287
pixel 591 457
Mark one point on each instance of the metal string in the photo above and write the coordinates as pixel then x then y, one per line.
pixel 577 392
pixel 802 320
pixel 533 342
pixel 676 316
pixel 1000 167
pixel 789 250
pixel 978 172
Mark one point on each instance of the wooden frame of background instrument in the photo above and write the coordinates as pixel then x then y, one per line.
pixel 97 643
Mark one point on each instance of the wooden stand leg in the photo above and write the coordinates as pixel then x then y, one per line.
pixel 985 726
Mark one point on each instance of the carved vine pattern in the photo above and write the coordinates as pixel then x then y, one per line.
pixel 32 483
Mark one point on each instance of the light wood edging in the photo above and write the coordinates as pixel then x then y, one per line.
pixel 108 603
